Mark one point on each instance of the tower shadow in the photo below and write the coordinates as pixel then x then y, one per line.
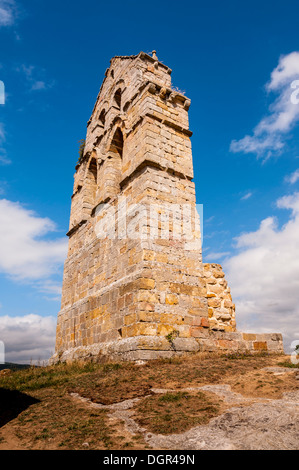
pixel 12 403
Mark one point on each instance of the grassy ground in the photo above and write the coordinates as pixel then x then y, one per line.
pixel 175 412
pixel 37 410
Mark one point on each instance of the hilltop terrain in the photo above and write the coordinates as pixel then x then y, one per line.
pixel 200 401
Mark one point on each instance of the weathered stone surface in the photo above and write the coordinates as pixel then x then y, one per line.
pixel 186 344
pixel 270 425
pixel 134 284
pixel 249 423
pixel 221 307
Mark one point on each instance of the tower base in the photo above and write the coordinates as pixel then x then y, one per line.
pixel 153 347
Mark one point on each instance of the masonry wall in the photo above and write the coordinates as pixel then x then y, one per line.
pixel 220 305
pixel 129 291
pixel 121 288
pixel 151 286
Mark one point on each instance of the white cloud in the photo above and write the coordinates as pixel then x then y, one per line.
pixel 246 196
pixel 3 185
pixel 30 338
pixel 2 133
pixel 264 275
pixel 24 252
pixel 293 178
pixel 209 220
pixel 271 132
pixel 287 68
pixel 8 12
pixel 4 160
pixel 38 85
pixel 215 256
pixel 35 77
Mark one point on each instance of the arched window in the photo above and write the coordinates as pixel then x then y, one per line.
pixel 113 164
pixel 91 181
pixel 102 116
pixel 117 143
pixel 117 98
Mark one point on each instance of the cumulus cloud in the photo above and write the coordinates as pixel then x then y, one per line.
pixel 293 178
pixel 25 254
pixel 216 255
pixel 28 339
pixel 270 134
pixel 264 275
pixel 8 12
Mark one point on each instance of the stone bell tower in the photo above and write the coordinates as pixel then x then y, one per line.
pixel 134 283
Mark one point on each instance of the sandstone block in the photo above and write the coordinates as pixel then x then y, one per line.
pixel 185 344
pixel 249 336
pixel 260 346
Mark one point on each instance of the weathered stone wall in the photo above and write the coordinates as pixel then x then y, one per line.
pixel 135 292
pixel 115 289
pixel 220 305
pixel 124 287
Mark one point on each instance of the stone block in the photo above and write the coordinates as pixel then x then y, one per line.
pixel 171 299
pixel 197 332
pixel 260 345
pixel 185 344
pixel 249 336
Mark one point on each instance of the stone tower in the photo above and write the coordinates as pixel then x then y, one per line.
pixel 134 283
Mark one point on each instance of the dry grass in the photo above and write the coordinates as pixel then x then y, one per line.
pixel 113 383
pixel 59 423
pixel 171 413
pixel 50 418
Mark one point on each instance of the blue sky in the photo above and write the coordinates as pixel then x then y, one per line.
pixel 52 62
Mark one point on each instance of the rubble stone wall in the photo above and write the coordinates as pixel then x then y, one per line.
pixel 221 308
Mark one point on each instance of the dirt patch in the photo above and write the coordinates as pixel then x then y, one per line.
pixel 109 391
pixel 263 383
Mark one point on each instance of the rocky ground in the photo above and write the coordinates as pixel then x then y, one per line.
pixel 194 403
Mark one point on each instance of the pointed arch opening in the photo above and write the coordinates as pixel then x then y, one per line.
pixel 117 98
pixel 113 164
pixel 102 117
pixel 92 181
pixel 117 143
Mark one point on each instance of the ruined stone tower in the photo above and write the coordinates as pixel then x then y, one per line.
pixel 134 283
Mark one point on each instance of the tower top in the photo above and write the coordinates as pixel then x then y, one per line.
pixel 134 87
pixel 144 56
pixel 148 65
